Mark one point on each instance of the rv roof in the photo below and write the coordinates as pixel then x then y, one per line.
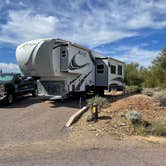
pixel 82 47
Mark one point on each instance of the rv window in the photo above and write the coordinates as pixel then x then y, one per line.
pixel 100 68
pixel 119 70
pixel 113 69
pixel 63 52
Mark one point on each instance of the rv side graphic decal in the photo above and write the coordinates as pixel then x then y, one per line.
pixel 81 82
pixel 73 64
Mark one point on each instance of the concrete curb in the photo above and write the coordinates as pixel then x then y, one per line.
pixel 76 116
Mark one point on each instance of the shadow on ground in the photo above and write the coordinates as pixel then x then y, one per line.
pixel 22 102
pixel 104 117
pixel 72 102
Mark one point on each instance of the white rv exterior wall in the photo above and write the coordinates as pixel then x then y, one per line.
pixel 112 77
pixel 81 57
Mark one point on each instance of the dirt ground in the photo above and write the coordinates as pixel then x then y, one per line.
pixel 32 133
pixel 112 120
pixel 32 119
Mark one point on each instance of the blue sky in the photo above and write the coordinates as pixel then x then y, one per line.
pixel 130 30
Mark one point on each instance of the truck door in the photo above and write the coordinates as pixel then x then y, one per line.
pixel 101 72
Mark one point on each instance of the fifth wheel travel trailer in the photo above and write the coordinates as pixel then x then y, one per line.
pixel 63 68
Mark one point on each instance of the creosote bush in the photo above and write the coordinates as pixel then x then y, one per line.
pixel 100 101
pixel 160 97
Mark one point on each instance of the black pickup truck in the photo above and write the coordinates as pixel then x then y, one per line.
pixel 12 85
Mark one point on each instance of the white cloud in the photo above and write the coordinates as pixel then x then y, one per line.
pixel 136 54
pixel 98 23
pixel 9 67
pixel 103 22
pixel 25 25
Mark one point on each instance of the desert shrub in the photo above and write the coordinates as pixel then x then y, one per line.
pixel 133 89
pixel 100 101
pixel 90 117
pixel 157 89
pixel 139 129
pixel 148 91
pixel 158 128
pixel 134 116
pixel 154 128
pixel 160 97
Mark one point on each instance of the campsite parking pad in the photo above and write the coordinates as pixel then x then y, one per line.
pixel 31 119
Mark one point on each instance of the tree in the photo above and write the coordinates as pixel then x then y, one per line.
pixel 159 69
pixel 132 74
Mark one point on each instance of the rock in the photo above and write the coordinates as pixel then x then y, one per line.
pixel 122 124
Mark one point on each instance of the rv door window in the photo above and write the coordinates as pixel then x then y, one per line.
pixel 119 70
pixel 113 69
pixel 100 68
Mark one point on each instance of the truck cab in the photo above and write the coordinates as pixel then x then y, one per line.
pixel 13 85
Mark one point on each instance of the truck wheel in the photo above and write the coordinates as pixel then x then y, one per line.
pixel 10 99
pixel 35 93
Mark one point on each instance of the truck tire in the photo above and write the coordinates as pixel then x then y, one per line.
pixel 10 99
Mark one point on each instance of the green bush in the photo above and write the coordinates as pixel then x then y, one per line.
pixel 158 129
pixel 133 89
pixel 100 101
pixel 160 97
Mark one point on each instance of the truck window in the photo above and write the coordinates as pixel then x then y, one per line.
pixel 100 68
pixel 113 69
pixel 119 70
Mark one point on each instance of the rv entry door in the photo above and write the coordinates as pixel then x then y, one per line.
pixel 101 72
